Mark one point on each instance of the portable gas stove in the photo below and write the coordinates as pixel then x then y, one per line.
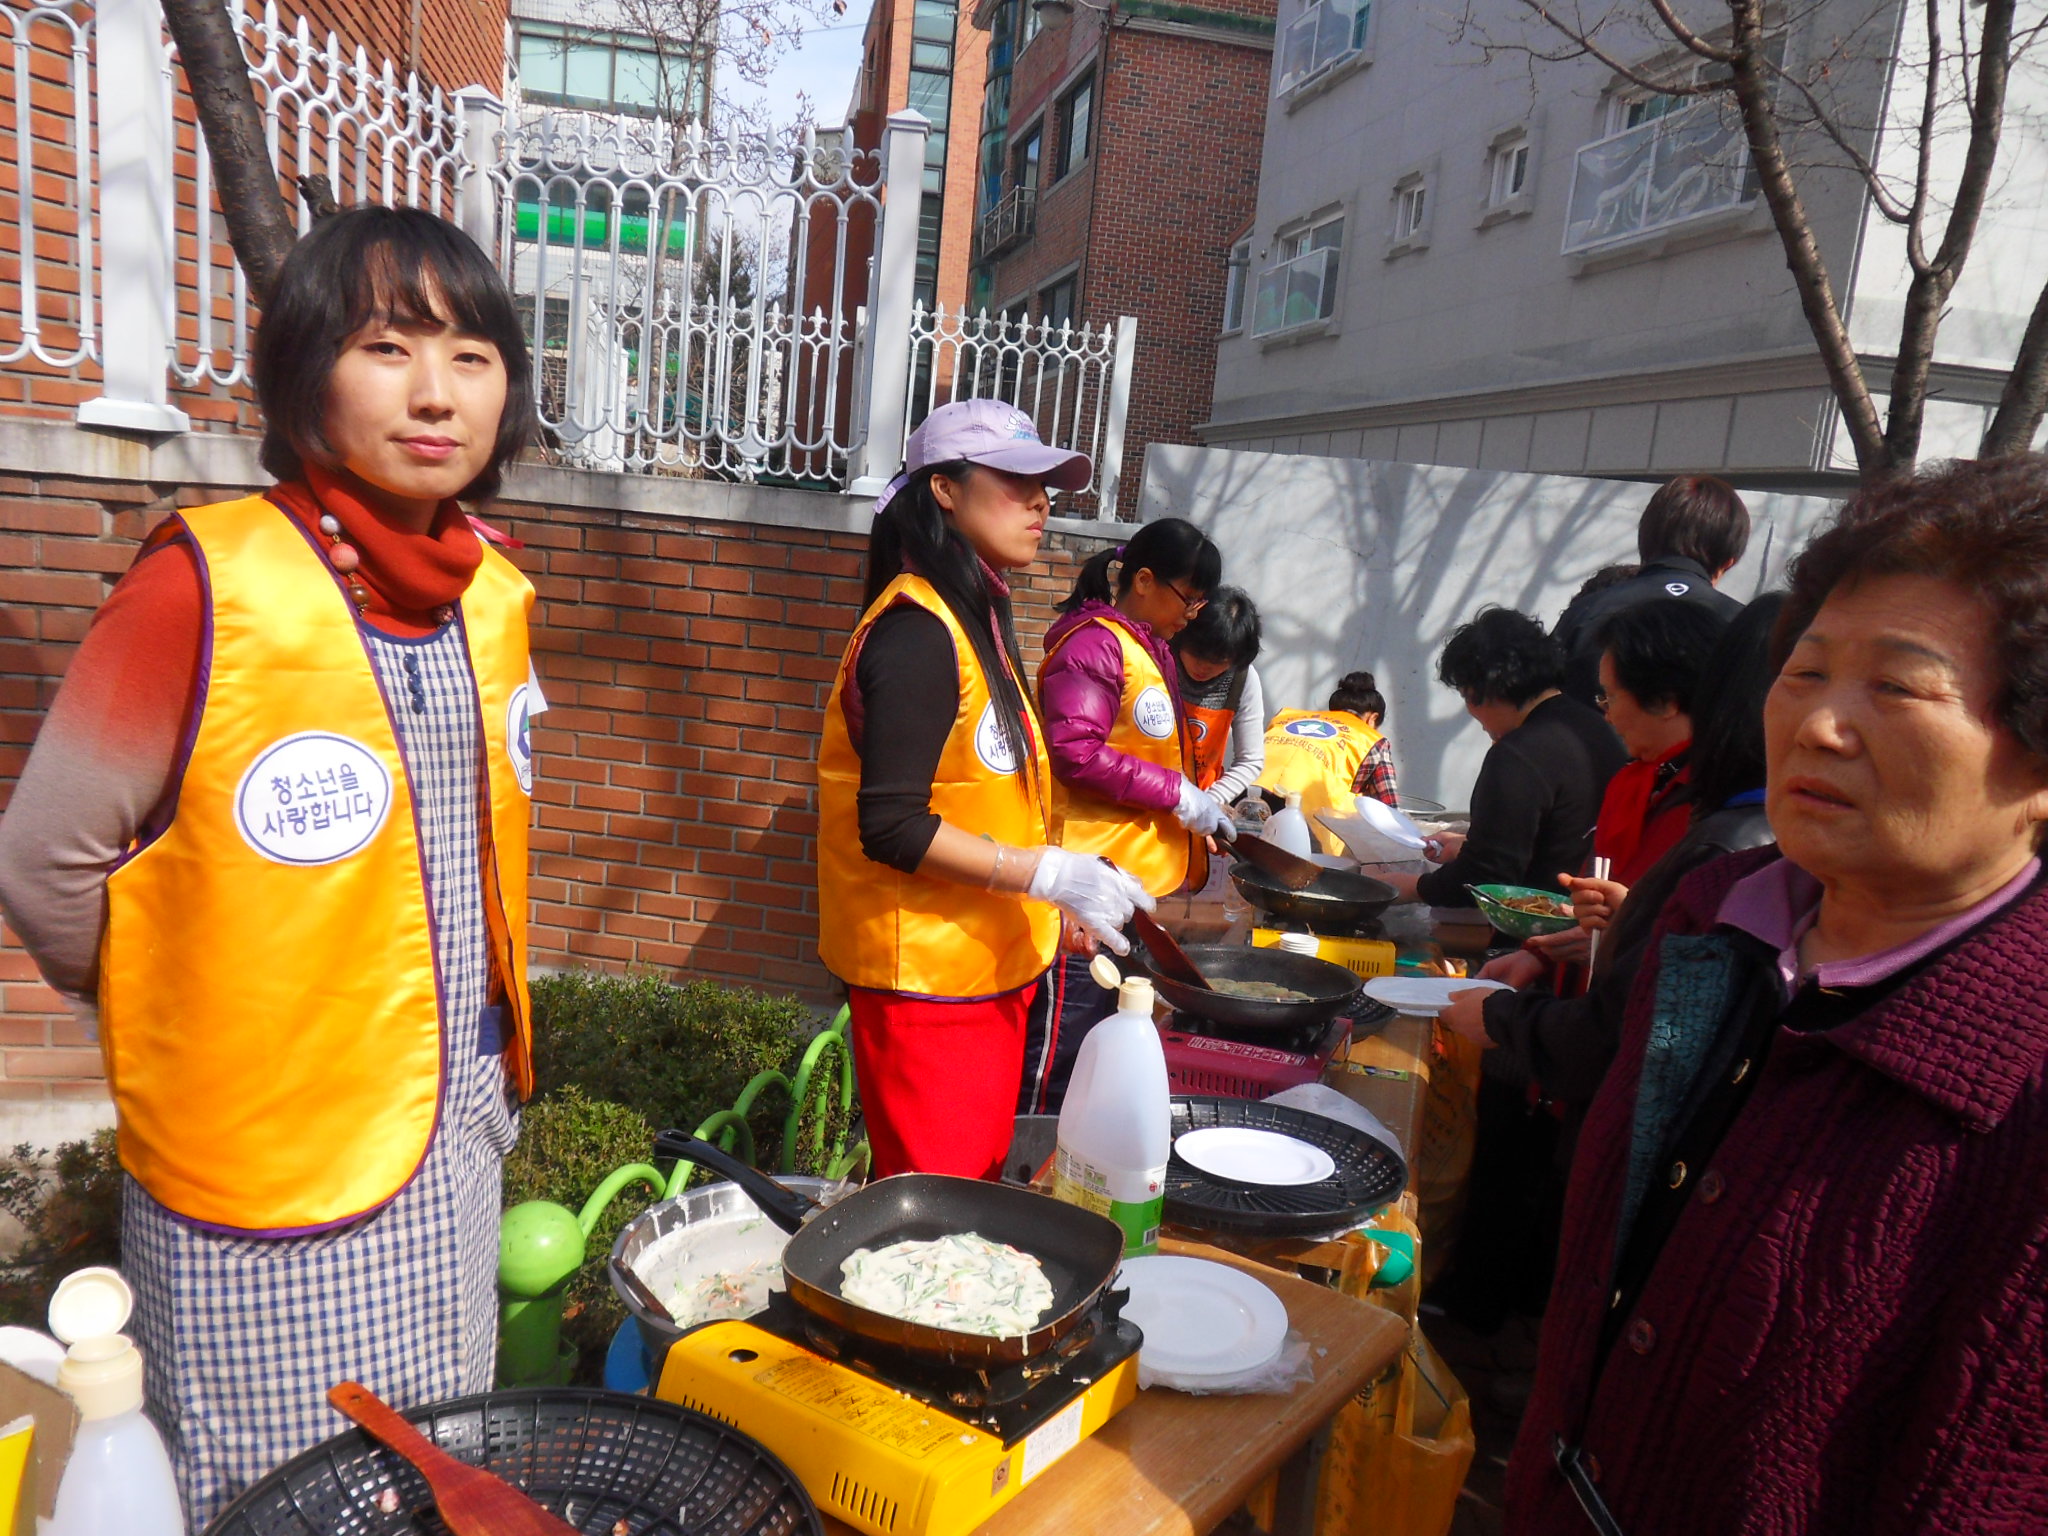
pixel 1204 1057
pixel 891 1444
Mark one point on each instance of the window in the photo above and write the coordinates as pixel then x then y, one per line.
pixel 1236 280
pixel 1033 23
pixel 1510 169
pixel 1300 287
pixel 1321 37
pixel 1411 209
pixel 1077 111
pixel 1024 159
pixel 1056 304
pixel 605 72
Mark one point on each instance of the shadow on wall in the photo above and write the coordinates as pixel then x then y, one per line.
pixel 1364 563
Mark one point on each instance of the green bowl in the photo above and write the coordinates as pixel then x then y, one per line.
pixel 1517 924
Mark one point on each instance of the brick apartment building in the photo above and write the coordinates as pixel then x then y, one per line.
pixel 1119 162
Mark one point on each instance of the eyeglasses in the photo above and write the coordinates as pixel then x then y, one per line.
pixel 1194 605
pixel 1600 701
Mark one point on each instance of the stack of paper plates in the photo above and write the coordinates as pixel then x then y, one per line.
pixel 1207 1326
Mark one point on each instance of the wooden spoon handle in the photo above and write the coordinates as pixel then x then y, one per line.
pixel 359 1403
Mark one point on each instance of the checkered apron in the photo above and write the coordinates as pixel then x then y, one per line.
pixel 242 1337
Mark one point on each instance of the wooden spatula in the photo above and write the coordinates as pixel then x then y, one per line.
pixel 1290 869
pixel 472 1502
pixel 1165 949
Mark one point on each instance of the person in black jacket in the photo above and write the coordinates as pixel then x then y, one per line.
pixel 1564 1045
pixel 1538 792
pixel 1691 534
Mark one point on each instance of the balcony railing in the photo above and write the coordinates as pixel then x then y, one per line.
pixel 1295 292
pixel 1683 166
pixel 1320 37
pixel 1012 219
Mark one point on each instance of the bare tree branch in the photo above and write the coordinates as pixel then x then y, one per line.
pixel 259 220
pixel 2024 401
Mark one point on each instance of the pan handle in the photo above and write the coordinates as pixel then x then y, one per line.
pixel 780 1204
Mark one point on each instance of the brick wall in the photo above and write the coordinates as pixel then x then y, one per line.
pixel 687 662
pixel 1150 218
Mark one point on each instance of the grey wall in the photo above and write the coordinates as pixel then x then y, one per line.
pixel 1366 563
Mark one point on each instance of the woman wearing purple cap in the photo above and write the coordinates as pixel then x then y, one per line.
pixel 1122 751
pixel 939 901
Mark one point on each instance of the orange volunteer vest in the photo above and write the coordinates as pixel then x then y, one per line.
pixel 1150 845
pixel 270 1013
pixel 894 932
pixel 1317 754
pixel 1209 733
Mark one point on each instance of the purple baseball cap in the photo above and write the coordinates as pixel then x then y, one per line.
pixel 991 432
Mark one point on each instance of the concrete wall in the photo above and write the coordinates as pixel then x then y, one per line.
pixel 1364 563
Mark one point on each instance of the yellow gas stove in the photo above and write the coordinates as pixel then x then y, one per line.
pixel 888 1446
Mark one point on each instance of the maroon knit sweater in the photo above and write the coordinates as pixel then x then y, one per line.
pixel 1852 1336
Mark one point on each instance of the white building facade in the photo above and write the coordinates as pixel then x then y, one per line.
pixel 1465 255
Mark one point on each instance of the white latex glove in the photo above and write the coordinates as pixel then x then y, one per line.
pixel 1092 891
pixel 1199 812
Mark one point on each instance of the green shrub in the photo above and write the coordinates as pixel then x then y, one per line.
pixel 70 1209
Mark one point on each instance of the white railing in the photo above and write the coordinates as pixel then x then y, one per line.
pixel 1682 166
pixel 1294 292
pixel 1074 382
pixel 739 307
pixel 1323 35
pixel 1013 218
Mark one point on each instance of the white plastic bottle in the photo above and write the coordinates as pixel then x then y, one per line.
pixel 1116 1127
pixel 1289 829
pixel 119 1477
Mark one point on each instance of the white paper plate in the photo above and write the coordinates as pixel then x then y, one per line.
pixel 1423 997
pixel 1246 1155
pixel 1201 1319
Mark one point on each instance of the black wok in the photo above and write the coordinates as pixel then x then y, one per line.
pixel 1079 1249
pixel 1330 988
pixel 1338 902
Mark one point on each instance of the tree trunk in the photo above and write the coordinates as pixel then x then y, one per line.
pixel 2025 398
pixel 260 226
pixel 1802 250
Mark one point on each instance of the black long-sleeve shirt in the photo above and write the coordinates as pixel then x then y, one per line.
pixel 1534 805
pixel 909 683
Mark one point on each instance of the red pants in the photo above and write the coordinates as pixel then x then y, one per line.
pixel 938 1080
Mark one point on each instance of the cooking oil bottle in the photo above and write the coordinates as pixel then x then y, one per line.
pixel 1116 1127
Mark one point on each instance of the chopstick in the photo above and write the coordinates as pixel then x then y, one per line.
pixel 1603 869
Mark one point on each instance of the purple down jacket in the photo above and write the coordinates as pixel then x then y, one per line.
pixel 1078 691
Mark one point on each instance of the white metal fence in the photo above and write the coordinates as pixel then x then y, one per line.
pixel 1684 165
pixel 740 307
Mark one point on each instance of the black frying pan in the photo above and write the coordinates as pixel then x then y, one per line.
pixel 1338 901
pixel 1330 988
pixel 1079 1249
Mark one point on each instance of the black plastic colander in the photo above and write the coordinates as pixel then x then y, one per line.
pixel 1369 1174
pixel 602 1461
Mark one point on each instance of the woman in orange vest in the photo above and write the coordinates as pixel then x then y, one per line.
pixel 273 837
pixel 1221 693
pixel 1329 755
pixel 1122 752
pixel 939 899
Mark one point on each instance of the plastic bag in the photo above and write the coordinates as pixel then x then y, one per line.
pixel 1290 1368
pixel 1375 833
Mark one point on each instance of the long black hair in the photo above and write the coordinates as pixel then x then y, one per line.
pixel 1728 707
pixel 913 533
pixel 1172 549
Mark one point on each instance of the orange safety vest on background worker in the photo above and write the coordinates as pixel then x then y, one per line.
pixel 1316 753
pixel 1209 733
pixel 894 932
pixel 1152 846
pixel 270 1009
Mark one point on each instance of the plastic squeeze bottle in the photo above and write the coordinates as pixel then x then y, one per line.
pixel 1116 1127
pixel 119 1477
pixel 1289 829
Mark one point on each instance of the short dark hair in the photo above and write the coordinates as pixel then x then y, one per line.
pixel 1660 649
pixel 1979 523
pixel 348 270
pixel 1226 630
pixel 1727 757
pixel 1357 693
pixel 1607 576
pixel 1501 655
pixel 1697 517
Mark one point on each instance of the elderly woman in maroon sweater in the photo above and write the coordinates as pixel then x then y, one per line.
pixel 1804 1278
